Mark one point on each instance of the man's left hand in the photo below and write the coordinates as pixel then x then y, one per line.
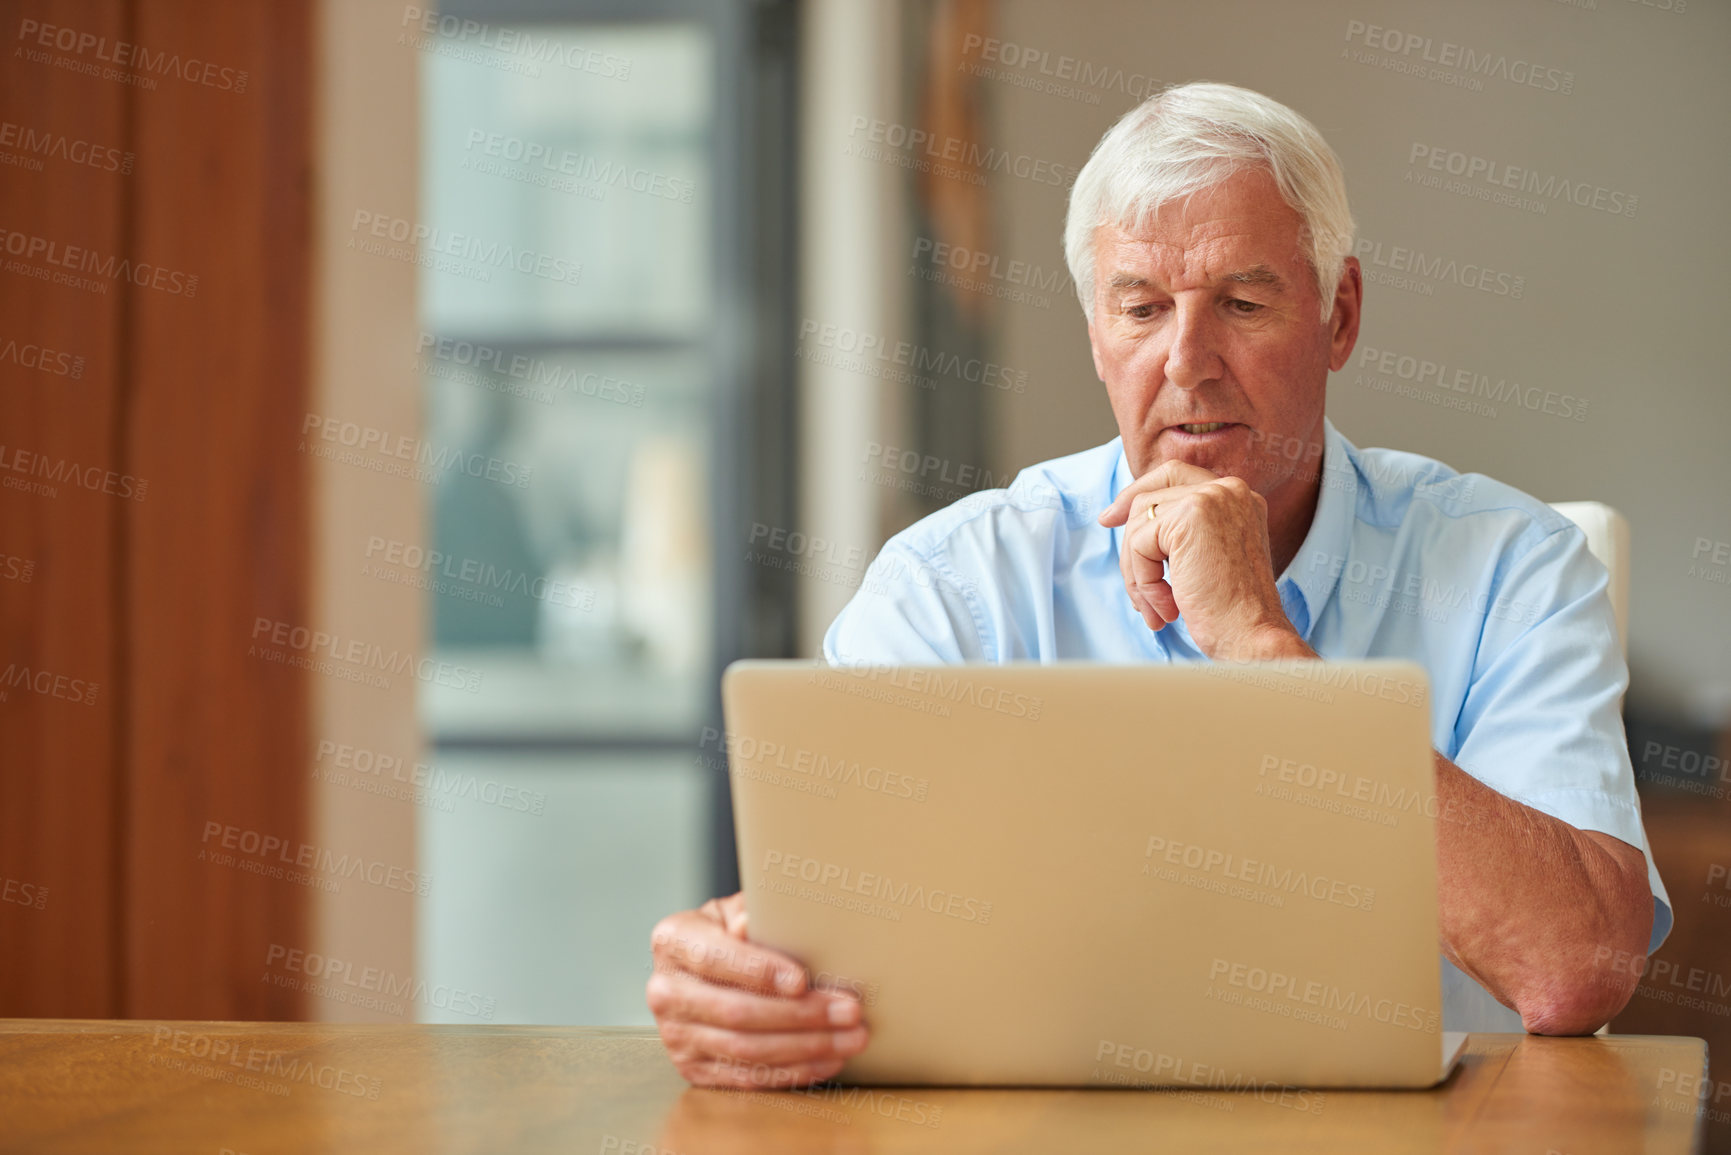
pixel 1204 554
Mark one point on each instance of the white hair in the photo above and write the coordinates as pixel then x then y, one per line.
pixel 1191 137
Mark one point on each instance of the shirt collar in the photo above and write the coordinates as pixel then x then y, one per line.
pixel 1310 579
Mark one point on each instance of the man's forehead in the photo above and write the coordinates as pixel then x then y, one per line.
pixel 1239 256
pixel 1208 238
pixel 1227 227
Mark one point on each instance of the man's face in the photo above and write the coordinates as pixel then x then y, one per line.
pixel 1212 315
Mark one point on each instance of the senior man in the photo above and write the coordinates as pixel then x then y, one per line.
pixel 1209 237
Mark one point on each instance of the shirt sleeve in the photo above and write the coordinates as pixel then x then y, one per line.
pixel 1542 722
pixel 909 610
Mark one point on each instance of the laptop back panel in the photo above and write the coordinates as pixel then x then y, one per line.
pixel 1080 874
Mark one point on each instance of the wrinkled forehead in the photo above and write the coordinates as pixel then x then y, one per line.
pixel 1216 252
pixel 1239 228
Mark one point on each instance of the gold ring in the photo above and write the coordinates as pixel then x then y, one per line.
pixel 1151 512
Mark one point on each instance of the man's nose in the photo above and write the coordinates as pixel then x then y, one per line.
pixel 1193 357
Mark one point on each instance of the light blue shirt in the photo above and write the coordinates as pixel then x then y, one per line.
pixel 1493 592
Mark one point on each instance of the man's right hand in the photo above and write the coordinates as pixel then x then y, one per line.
pixel 735 1014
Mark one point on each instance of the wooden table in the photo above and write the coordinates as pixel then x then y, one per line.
pixel 265 1088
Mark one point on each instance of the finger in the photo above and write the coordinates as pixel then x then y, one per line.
pixel 1158 592
pixel 1137 590
pixel 694 1043
pixel 1166 475
pixel 1147 564
pixel 688 999
pixel 778 1048
pixel 1140 506
pixel 1163 601
pixel 761 1076
pixel 775 1048
pixel 1148 605
pixel 1155 498
pixel 695 942
pixel 731 912
pixel 1145 575
pixel 1126 549
pixel 1142 558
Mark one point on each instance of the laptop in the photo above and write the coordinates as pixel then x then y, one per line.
pixel 1088 875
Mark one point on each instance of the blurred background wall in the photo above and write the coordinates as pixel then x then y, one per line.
pixel 404 419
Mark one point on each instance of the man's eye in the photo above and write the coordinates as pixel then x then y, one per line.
pixel 1243 307
pixel 1140 312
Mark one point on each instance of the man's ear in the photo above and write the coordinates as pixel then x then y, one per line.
pixel 1348 310
pixel 1094 348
